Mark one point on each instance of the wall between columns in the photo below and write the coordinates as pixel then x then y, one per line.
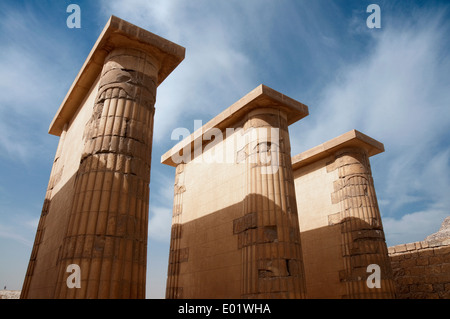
pixel 340 226
pixel 211 187
pixel 42 272
pixel 320 242
pixel 421 270
pixel 234 227
pixel 73 141
pixel 204 258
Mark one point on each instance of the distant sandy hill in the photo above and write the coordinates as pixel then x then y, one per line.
pixel 9 294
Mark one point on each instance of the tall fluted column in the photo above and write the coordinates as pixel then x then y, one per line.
pixel 363 241
pixel 107 232
pixel 55 175
pixel 95 213
pixel 173 291
pixel 268 232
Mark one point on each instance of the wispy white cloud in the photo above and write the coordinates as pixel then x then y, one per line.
pixel 12 233
pixel 33 79
pixel 160 222
pixel 399 95
pixel 413 227
pixel 9 145
pixel 429 186
pixel 217 69
pixel 160 210
pixel 23 100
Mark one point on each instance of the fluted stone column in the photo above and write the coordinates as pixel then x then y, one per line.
pixel 268 232
pixel 173 291
pixel 362 235
pixel 107 232
pixel 95 214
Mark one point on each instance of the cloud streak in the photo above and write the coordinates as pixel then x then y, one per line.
pixel 34 76
pixel 217 69
pixel 399 95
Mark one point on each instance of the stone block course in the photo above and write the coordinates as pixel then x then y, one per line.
pixel 422 272
pixel 237 233
pixel 96 208
pixel 255 230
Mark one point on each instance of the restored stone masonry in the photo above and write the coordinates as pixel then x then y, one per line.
pixel 235 225
pixel 95 213
pixel 340 222
pixel 249 221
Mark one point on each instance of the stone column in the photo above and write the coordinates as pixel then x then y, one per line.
pixel 362 235
pixel 173 291
pixel 96 208
pixel 107 230
pixel 268 232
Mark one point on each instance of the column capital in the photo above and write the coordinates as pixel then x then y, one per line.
pixel 259 98
pixel 351 139
pixel 117 33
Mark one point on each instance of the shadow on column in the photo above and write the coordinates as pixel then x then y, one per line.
pixel 206 255
pixel 336 260
pixel 109 238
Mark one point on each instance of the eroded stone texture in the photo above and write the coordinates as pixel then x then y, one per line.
pixel 55 175
pixel 362 234
pixel 340 222
pixel 235 227
pixel 422 269
pixel 107 233
pixel 173 290
pixel 95 213
pixel 441 237
pixel 268 232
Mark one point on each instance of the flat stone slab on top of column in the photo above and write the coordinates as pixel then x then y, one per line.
pixel 234 225
pixel 260 97
pixel 349 139
pixel 116 33
pixel 337 207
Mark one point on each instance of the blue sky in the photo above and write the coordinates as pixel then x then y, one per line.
pixel 392 84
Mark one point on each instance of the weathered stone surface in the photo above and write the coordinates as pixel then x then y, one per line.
pixel 340 223
pixel 441 237
pixel 95 213
pixel 239 218
pixel 422 269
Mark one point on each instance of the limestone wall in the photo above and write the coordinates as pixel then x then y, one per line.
pixel 204 248
pixel 320 241
pixel 421 270
pixel 95 211
pixel 340 224
pixel 42 271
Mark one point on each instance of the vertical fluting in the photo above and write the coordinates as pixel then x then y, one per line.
pixel 173 289
pixel 270 239
pixel 363 241
pixel 107 231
